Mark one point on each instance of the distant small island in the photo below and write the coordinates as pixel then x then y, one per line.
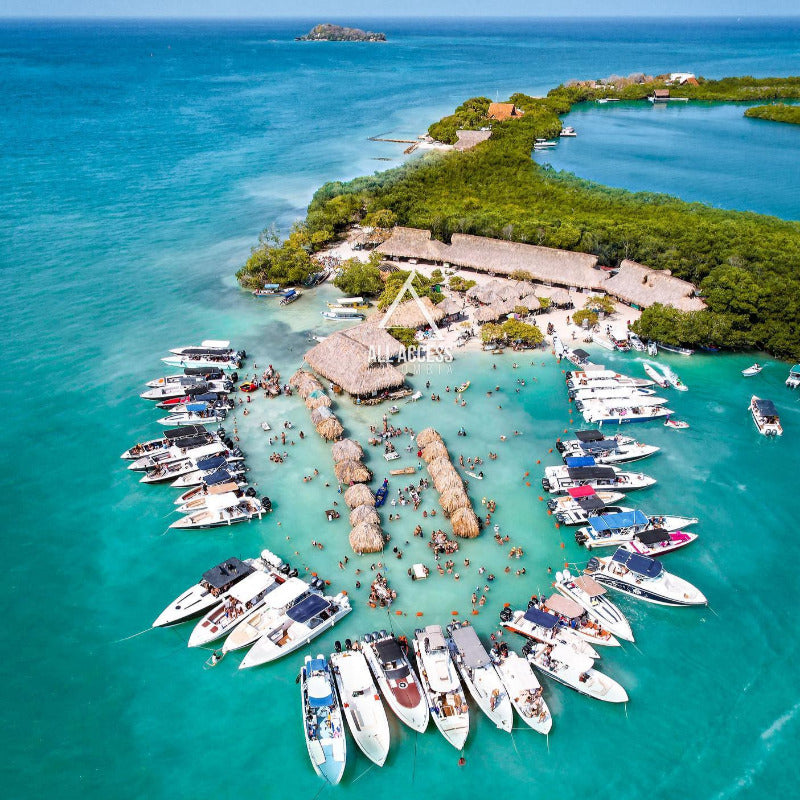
pixel 778 112
pixel 337 33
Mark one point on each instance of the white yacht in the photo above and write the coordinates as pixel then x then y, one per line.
pixel 588 593
pixel 652 372
pixel 614 529
pixel 606 451
pixel 236 605
pixel 441 685
pixel 338 313
pixel 211 588
pixel 544 627
pixel 204 360
pixel 196 447
pixel 206 346
pixel 793 381
pixel 363 709
pixel 172 437
pixel 624 399
pixel 195 413
pixel 322 720
pixel 604 379
pixel 655 542
pixel 176 391
pixel 643 578
pixel 169 471
pixel 607 391
pixel 765 416
pixel 479 674
pixel 197 498
pixel 583 499
pixel 295 628
pixel 397 680
pixel 221 510
pixel 574 670
pixel 584 472
pixel 624 414
pixel 525 691
pixel 209 466
pixel 572 616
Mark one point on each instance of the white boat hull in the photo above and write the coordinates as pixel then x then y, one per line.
pixel 520 682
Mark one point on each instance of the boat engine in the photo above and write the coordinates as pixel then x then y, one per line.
pixel 593 564
pixel 545 484
pixel 234 377
pixel 250 492
pixel 384 634
pixel 560 445
pixel 531 603
pixel 284 569
pixel 581 538
pixel 348 644
pixel 527 648
pixel 337 646
pixel 506 614
pixel 266 503
pixel 292 573
pixel 367 637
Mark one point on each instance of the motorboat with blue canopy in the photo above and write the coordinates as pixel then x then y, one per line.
pixel 212 463
pixel 539 617
pixel 618 521
pixel 319 692
pixel 220 476
pixel 308 608
pixel 580 461
pixel 641 565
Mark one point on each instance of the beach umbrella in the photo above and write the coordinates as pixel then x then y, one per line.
pixel 465 523
pixel 318 401
pixel 352 472
pixel 452 500
pixel 435 450
pixel 330 428
pixel 366 537
pixel 359 495
pixel 346 450
pixel 366 513
pixel 427 436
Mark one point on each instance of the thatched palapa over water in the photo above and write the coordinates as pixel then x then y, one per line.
pixel 365 513
pixel 347 450
pixel 305 383
pixel 352 472
pixel 452 500
pixel 366 538
pixel 330 429
pixel 359 495
pixel 410 314
pixel 434 450
pixel 465 523
pixel 426 436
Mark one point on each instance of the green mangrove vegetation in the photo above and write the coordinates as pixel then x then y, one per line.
pixel 779 112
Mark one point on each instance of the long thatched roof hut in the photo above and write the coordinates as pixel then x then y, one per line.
pixel 434 450
pixel 426 436
pixel 352 472
pixel 439 465
pixel 330 429
pixel 366 537
pixel 365 513
pixel 359 495
pixel 347 450
pixel 411 314
pixel 465 523
pixel 318 399
pixel 305 383
pixel 452 500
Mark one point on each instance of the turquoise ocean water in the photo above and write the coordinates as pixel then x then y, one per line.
pixel 139 162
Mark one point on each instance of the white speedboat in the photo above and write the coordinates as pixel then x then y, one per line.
pixel 222 346
pixel 625 400
pixel 676 424
pixel 572 616
pixel 441 685
pixel 190 376
pixel 196 447
pixel 397 680
pixel 603 391
pixel 479 674
pixel 604 378
pixel 170 438
pixel 583 499
pixel 209 466
pixel 177 388
pixel 574 670
pixel 793 381
pixel 580 472
pixel 568 130
pixel 236 605
pixel 614 529
pixel 222 510
pixel 673 379
pixel 671 348
pixel 589 594
pixel 544 627
pixel 197 498
pixel 211 588
pixel 278 601
pixel 652 349
pixel 643 578
pixel 204 360
pixel 169 472
pixel 652 371
pixel 615 450
pixel 525 691
pixel 620 415
pixel 363 710
pixel 602 340
pixel 322 720
pixel 765 416
pixel 195 413
pixel 655 542
pixel 338 313
pixel 752 370
pixel 636 343
pixel 295 628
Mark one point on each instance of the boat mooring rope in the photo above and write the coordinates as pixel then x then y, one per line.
pixel 132 636
pixel 364 773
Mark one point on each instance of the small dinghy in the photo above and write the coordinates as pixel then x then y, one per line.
pixel 388 660
pixel 675 424
pixel 441 685
pixel 322 720
pixel 574 670
pixel 525 692
pixel 361 703
pixel 479 674
pixel 655 375
pixel 753 370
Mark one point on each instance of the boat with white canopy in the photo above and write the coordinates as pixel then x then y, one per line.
pixel 544 627
pixel 585 472
pixel 525 692
pixel 221 510
pixel 322 720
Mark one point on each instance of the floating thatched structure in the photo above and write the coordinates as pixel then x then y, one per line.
pixel 330 429
pixel 318 400
pixel 435 450
pixel 320 414
pixel 632 283
pixel 465 523
pixel 305 383
pixel 359 495
pixel 411 314
pixel 347 450
pixel 426 436
pixel 366 538
pixel 448 481
pixel 365 513
pixel 357 360
pixel 439 466
pixel 352 472
pixel 452 500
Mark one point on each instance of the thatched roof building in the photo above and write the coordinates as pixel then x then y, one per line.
pixel 466 140
pixel 410 314
pixel 451 306
pixel 355 360
pixel 465 523
pixel 426 436
pixel 435 450
pixel 330 429
pixel 639 285
pixel 366 513
pixel 452 500
pixel 350 471
pixel 318 399
pixel 347 450
pixel 633 283
pixel 359 495
pixel 489 313
pixel 366 538
pixel 305 383
pixel 439 465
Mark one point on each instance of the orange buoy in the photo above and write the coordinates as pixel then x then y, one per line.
pixel 526 474
pixel 454 613
pixel 314 574
pixel 538 460
pixel 551 449
pixel 541 498
pixel 558 524
pixel 399 613
pixel 566 564
pixel 506 605
pixel 475 611
pixel 327 583
pixel 371 604
pixel 549 513
pixel 419 613
pixel 527 483
pixel 562 545
pixel 344 592
pixel 565 430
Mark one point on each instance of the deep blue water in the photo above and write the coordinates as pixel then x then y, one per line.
pixel 139 161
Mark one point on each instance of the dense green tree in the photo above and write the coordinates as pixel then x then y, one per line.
pixel 360 279
pixel 522 332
